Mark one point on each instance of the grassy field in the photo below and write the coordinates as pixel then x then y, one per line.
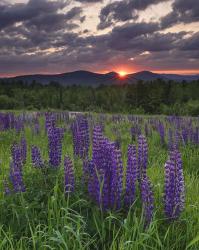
pixel 44 217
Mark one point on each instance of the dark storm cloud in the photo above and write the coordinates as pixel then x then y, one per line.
pixel 131 30
pixel 139 37
pixel 191 43
pixel 11 14
pixel 121 37
pixel 54 21
pixel 123 11
pixel 183 11
pixel 40 25
pixel 150 42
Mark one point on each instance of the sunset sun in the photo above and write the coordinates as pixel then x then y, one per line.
pixel 122 74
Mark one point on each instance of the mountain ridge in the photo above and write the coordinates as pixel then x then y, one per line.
pixel 88 78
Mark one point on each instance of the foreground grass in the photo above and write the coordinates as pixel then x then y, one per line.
pixel 45 218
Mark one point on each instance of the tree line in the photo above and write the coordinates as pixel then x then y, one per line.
pixel 155 97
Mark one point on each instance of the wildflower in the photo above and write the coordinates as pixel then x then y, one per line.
pixel 81 141
pixel 36 157
pixel 55 146
pixel 147 199
pixel 69 175
pixel 131 175
pixel 16 176
pixel 174 193
pixel 142 156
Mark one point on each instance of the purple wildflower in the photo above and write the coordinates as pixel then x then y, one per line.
pixel 131 175
pixel 174 193
pixel 23 150
pixel 16 155
pixel 69 175
pixel 106 172
pixel 81 141
pixel 36 157
pixel 142 156
pixel 116 179
pixel 147 199
pixel 55 136
pixel 161 132
pixel 16 176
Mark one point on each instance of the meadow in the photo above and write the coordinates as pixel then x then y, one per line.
pixel 98 181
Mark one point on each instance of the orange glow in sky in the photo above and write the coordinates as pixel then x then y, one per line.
pixel 122 73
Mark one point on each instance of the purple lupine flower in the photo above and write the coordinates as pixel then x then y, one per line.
pixel 36 157
pixel 69 175
pixel 147 199
pixel 131 175
pixel 177 139
pixel 93 186
pixel 85 141
pixel 161 132
pixel 97 141
pixel 16 175
pixel 16 178
pixel 116 179
pixel 76 140
pixel 174 193
pixel 106 172
pixel 50 121
pixel 185 136
pixel 55 136
pixel 18 124
pixel 100 168
pixel 88 169
pixel 142 156
pixel 6 121
pixel 16 155
pixel 23 146
pixel 81 141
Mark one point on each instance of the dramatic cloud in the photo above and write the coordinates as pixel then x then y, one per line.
pixel 51 36
pixel 191 43
pixel 183 11
pixel 11 14
pixel 44 21
pixel 123 11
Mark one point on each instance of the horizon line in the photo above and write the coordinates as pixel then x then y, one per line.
pixel 178 72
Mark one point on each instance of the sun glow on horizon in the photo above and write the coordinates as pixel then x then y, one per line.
pixel 122 73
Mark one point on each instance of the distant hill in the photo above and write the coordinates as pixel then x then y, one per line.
pixel 86 78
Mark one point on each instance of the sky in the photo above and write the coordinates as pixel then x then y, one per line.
pixel 56 36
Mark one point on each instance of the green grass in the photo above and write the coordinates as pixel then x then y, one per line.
pixel 45 218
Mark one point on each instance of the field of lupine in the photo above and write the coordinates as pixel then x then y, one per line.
pixel 97 181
